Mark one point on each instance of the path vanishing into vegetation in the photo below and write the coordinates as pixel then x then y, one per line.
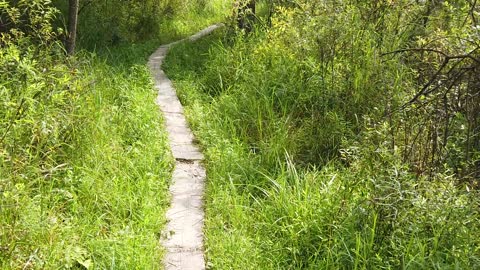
pixel 183 236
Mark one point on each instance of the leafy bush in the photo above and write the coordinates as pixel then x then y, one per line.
pixel 25 22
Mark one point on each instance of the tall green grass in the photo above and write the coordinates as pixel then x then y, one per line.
pixel 85 167
pixel 301 172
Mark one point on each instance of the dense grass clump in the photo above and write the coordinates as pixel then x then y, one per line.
pixel 317 155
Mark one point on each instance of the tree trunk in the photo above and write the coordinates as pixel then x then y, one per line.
pixel 72 26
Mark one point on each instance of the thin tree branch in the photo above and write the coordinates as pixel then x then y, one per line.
pixel 447 57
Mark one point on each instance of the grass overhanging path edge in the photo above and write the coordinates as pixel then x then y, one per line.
pixel 183 236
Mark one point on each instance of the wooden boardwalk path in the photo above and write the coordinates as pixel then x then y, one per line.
pixel 184 232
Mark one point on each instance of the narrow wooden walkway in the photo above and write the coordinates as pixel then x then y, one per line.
pixel 183 236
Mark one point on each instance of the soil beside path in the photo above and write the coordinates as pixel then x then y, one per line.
pixel 183 237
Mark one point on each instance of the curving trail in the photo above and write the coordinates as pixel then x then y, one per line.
pixel 183 237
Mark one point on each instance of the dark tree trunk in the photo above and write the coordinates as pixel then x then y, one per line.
pixel 72 26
